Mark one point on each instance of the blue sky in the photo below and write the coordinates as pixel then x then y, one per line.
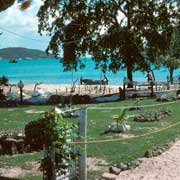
pixel 24 23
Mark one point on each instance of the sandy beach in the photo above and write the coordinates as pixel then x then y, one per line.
pixel 64 89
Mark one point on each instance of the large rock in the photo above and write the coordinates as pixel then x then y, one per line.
pixel 114 170
pixel 114 128
pixel 122 166
pixel 108 176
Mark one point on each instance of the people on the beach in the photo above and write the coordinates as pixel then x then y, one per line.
pixel 149 76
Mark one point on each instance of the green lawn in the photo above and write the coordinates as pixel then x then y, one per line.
pixel 17 118
pixel 131 149
pixel 98 121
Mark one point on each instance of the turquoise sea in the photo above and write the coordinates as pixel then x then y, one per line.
pixel 50 71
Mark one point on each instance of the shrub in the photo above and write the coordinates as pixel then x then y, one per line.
pixel 54 99
pixel 34 134
pixel 4 81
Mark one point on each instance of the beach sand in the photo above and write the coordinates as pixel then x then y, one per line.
pixel 65 89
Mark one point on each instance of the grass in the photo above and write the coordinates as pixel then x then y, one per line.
pixel 129 149
pixel 98 121
pixel 17 118
pixel 19 160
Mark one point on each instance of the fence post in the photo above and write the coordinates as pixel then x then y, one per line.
pixel 82 133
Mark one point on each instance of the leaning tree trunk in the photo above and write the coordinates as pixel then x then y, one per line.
pixel 171 75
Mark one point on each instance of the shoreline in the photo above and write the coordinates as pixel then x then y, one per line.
pixel 63 89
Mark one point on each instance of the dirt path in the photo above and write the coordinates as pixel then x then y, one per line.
pixel 163 167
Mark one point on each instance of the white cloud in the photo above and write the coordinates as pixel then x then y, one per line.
pixel 24 23
pixel 14 18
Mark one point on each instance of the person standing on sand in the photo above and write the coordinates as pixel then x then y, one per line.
pixel 148 76
pixel 150 81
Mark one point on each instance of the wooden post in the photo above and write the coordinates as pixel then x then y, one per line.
pixel 82 133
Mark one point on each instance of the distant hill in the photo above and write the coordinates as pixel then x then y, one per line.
pixel 23 53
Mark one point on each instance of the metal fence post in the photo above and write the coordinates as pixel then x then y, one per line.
pixel 82 133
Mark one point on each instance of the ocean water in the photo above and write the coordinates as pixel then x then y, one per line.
pixel 50 71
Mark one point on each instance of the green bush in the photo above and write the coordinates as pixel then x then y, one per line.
pixel 34 134
pixel 4 81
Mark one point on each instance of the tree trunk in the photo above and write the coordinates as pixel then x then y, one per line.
pixel 153 75
pixel 171 75
pixel 128 62
pixel 129 75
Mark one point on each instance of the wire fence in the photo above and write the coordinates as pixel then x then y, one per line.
pixel 80 168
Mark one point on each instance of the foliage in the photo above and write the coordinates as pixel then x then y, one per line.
pixel 137 102
pixel 58 132
pixel 34 134
pixel 4 81
pixel 171 59
pixel 4 5
pixel 53 133
pixel 155 115
pixel 116 33
pixel 121 117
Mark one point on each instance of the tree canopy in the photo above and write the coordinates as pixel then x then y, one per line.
pixel 119 31
pixel 171 58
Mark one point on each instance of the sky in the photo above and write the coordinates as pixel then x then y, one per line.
pixel 24 23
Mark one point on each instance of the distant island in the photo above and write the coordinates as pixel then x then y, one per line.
pixel 23 53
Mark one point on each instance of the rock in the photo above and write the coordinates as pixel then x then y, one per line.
pixel 114 170
pixel 141 160
pixel 148 154
pixel 108 176
pixel 124 128
pixel 11 140
pixel 133 164
pixel 160 151
pixel 14 148
pixel 114 128
pixel 122 166
pixel 20 146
